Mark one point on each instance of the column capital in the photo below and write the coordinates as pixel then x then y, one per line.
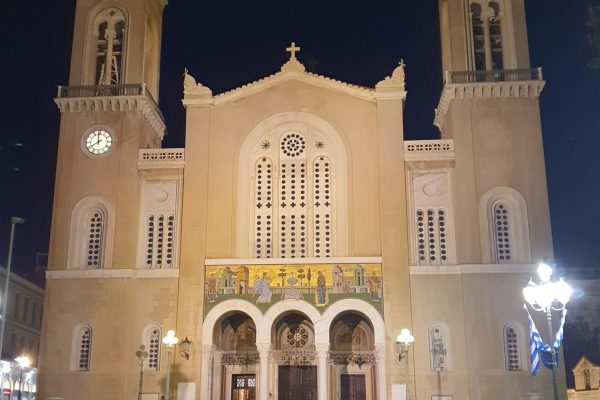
pixel 322 347
pixel 263 347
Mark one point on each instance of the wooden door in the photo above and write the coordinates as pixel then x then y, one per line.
pixel 297 383
pixel 353 387
pixel 243 387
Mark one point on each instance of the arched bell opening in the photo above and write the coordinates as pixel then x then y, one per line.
pixel 236 357
pixel 352 356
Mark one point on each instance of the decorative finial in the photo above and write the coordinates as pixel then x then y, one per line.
pixel 292 50
pixel 396 80
pixel 191 87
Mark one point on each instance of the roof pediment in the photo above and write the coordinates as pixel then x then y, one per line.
pixel 196 94
pixel 583 364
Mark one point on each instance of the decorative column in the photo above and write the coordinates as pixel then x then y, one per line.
pixel 207 352
pixel 216 374
pixel 381 381
pixel 264 351
pixel 322 366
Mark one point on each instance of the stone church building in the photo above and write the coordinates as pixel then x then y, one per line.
pixel 297 232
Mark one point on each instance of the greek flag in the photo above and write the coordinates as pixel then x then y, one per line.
pixel 535 343
pixel 559 334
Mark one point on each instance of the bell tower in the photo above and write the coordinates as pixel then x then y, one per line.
pixel 480 35
pixel 109 113
pixel 489 108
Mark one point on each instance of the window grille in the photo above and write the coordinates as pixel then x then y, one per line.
pixel 85 349
pixel 511 349
pixel 95 243
pixel 502 233
pixel 160 240
pixel 153 346
pixel 432 240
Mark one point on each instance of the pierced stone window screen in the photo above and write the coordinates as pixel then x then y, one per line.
pixel 84 349
pixel 432 239
pixel 264 205
pixel 486 30
pixel 502 233
pixel 438 348
pixel 512 353
pixel 160 240
pixel 109 35
pixel 94 245
pixel 152 342
pixel 295 205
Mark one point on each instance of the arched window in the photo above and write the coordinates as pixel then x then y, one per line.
pixel 512 348
pixel 292 171
pixel 486 29
pixel 109 35
pixel 82 348
pixel 432 244
pixel 152 340
pixel 92 226
pixel 439 352
pixel 504 227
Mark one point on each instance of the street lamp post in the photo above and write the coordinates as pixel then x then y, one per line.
pixel 13 222
pixel 547 296
pixel 141 354
pixel 403 342
pixel 24 362
pixel 170 341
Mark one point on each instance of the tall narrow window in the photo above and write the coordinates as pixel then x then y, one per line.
pixel 432 243
pixel 84 347
pixel 95 239
pixel 511 349
pixel 109 32
pixel 486 25
pixel 152 340
pixel 160 240
pixel 502 233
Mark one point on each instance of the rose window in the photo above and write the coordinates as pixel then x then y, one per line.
pixel 297 337
pixel 293 144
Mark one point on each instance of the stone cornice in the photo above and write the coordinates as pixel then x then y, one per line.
pixel 114 103
pixel 112 273
pixel 360 92
pixel 484 90
pixel 473 269
pixel 293 261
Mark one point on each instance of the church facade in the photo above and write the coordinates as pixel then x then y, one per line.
pixel 297 233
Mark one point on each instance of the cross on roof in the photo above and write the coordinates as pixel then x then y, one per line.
pixel 402 64
pixel 292 50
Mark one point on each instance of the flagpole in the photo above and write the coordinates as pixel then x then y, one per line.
pixel 553 362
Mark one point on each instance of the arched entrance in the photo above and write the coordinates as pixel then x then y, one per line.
pixel 352 357
pixel 294 356
pixel 236 357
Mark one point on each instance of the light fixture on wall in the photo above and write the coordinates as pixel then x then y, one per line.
pixel 185 348
pixel 403 342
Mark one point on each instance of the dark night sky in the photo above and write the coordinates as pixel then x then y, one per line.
pixel 227 44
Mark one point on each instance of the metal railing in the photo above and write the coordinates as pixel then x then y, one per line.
pixel 504 75
pixel 132 89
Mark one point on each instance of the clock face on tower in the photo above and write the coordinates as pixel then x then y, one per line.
pixel 98 141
